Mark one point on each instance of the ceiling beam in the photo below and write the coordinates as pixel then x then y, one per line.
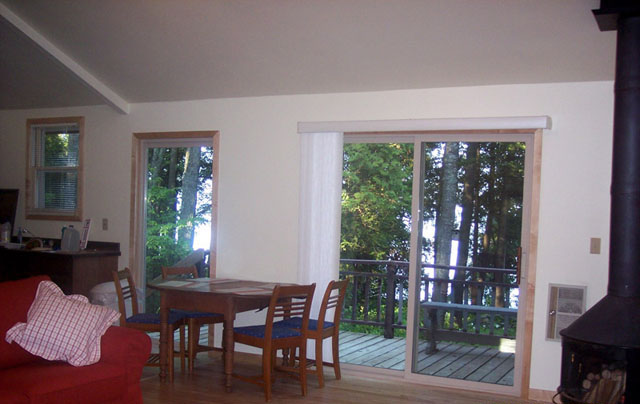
pixel 109 96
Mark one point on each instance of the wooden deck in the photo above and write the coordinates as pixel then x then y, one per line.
pixel 457 361
pixel 466 362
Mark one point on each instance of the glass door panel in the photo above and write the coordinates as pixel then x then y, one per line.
pixel 177 219
pixel 375 238
pixel 467 293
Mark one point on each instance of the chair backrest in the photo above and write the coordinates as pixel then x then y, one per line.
pixel 290 301
pixel 190 271
pixel 333 299
pixel 124 292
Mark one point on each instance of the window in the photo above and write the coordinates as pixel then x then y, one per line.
pixel 54 173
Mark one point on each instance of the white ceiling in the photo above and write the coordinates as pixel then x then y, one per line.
pixel 166 50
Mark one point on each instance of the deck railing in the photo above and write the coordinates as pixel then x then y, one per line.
pixel 479 307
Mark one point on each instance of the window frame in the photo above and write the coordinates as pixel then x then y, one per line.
pixel 32 212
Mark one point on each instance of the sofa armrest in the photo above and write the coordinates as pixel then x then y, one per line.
pixel 128 348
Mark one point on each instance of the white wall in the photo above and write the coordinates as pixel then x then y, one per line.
pixel 259 173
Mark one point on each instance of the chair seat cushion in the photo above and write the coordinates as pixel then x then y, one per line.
pixel 154 318
pixel 296 322
pixel 197 314
pixel 259 330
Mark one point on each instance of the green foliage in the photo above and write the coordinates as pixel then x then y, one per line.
pixel 480 322
pixel 373 312
pixel 376 201
pixel 162 224
pixel 59 149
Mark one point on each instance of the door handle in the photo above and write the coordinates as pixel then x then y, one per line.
pixel 519 266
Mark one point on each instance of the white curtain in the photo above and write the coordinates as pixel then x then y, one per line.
pixel 320 195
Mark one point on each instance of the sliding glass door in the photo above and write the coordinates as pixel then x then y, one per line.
pixel 433 227
pixel 375 250
pixel 467 259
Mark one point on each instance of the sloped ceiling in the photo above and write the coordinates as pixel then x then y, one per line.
pixel 167 50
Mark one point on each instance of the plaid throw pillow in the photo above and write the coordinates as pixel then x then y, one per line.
pixel 60 327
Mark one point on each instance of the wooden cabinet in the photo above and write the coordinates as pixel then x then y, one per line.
pixel 74 272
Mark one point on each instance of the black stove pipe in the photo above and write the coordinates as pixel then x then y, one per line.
pixel 615 320
pixel 608 334
pixel 624 248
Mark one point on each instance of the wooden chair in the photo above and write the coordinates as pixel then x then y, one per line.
pixel 194 319
pixel 147 322
pixel 285 301
pixel 320 329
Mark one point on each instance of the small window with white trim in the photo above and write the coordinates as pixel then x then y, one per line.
pixel 54 173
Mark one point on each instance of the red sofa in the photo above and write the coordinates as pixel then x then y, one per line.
pixel 25 378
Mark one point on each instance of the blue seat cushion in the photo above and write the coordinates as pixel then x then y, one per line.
pixel 296 322
pixel 197 314
pixel 154 318
pixel 259 330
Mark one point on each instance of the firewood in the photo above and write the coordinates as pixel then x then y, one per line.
pixel 616 393
pixel 606 389
pixel 591 395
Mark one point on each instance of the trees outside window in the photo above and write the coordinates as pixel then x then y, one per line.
pixel 471 211
pixel 178 203
pixel 54 173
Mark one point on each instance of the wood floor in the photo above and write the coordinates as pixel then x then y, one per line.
pixel 451 360
pixel 457 361
pixel 205 385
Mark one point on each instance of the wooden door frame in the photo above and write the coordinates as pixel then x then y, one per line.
pixel 137 182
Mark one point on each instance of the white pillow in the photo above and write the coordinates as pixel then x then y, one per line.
pixel 60 327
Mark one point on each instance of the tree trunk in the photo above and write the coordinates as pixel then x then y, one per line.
pixel 173 171
pixel 500 256
pixel 445 219
pixel 155 165
pixel 189 195
pixel 468 198
pixel 476 260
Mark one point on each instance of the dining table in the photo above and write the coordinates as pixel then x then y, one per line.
pixel 214 295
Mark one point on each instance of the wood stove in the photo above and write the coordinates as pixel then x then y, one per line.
pixel 593 373
pixel 601 349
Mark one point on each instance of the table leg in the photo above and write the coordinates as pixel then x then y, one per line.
pixel 227 340
pixel 164 334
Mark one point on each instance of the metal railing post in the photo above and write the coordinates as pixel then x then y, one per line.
pixel 391 299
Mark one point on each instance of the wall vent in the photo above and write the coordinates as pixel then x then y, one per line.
pixel 566 304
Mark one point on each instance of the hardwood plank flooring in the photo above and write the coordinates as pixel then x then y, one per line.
pixel 206 385
pixel 451 360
